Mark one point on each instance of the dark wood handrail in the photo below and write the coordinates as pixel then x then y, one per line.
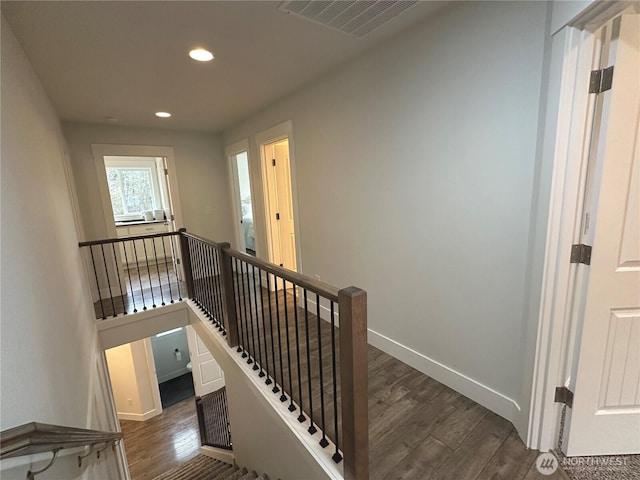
pixel 126 239
pixel 36 437
pixel 316 286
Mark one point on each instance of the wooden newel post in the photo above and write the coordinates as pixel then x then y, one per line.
pixel 186 262
pixel 352 302
pixel 228 298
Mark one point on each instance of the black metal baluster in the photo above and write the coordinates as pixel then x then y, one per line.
pixel 174 258
pixel 166 267
pixel 283 397
pixel 286 323
pixel 255 301
pixel 246 354
pixel 106 270
pixel 301 417
pixel 218 291
pixel 323 441
pixel 264 329
pixel 239 308
pixel 201 289
pixel 312 429
pixel 203 279
pixel 135 254
pixel 155 254
pixel 250 341
pixel 146 259
pixel 214 289
pixel 336 456
pixel 212 286
pixel 195 269
pixel 209 283
pixel 95 271
pixel 273 347
pixel 115 257
pixel 126 261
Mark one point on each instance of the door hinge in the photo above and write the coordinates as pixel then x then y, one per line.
pixel 277 216
pixel 166 171
pixel 601 80
pixel 581 253
pixel 564 396
pixel 273 162
pixel 173 217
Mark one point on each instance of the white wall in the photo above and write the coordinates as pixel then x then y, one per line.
pixel 167 364
pixel 131 381
pixel 200 167
pixel 48 343
pixel 416 167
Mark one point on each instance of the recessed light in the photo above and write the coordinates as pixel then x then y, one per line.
pixel 201 55
pixel 163 114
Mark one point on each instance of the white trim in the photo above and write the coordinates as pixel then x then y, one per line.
pixel 273 134
pixel 138 417
pixel 241 146
pixel 225 456
pixel 480 393
pixel 151 368
pixel 208 334
pixel 101 150
pixel 483 394
pixel 557 323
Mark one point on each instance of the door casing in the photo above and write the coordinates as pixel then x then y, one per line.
pixel 557 329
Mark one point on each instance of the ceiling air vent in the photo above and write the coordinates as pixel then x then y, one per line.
pixel 356 18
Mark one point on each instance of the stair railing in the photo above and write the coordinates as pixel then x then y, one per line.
pixel 306 339
pixel 136 273
pixel 32 438
pixel 213 420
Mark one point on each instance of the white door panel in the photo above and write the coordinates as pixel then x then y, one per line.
pixel 605 418
pixel 207 374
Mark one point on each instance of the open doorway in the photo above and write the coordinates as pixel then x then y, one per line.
pixel 238 155
pixel 140 198
pixel 281 236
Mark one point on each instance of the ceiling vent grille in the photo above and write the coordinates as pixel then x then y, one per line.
pixel 356 18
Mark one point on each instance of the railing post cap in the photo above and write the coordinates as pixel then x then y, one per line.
pixel 352 291
pixel 224 245
pixel 182 229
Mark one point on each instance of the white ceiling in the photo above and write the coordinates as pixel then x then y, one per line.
pixel 129 59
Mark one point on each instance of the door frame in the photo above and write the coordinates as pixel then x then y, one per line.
pixel 569 143
pixel 101 150
pixel 230 151
pixel 274 134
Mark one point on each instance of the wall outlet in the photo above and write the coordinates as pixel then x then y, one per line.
pixel 129 401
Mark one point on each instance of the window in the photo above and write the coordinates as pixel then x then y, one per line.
pixel 133 186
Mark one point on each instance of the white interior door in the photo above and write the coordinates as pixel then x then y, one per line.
pixel 285 205
pixel 207 374
pixel 605 417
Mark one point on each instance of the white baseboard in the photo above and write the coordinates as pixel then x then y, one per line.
pixel 139 417
pixel 476 391
pixel 325 312
pixel 219 454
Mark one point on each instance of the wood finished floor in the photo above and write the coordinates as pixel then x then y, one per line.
pixel 418 428
pixel 163 442
pixel 144 288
